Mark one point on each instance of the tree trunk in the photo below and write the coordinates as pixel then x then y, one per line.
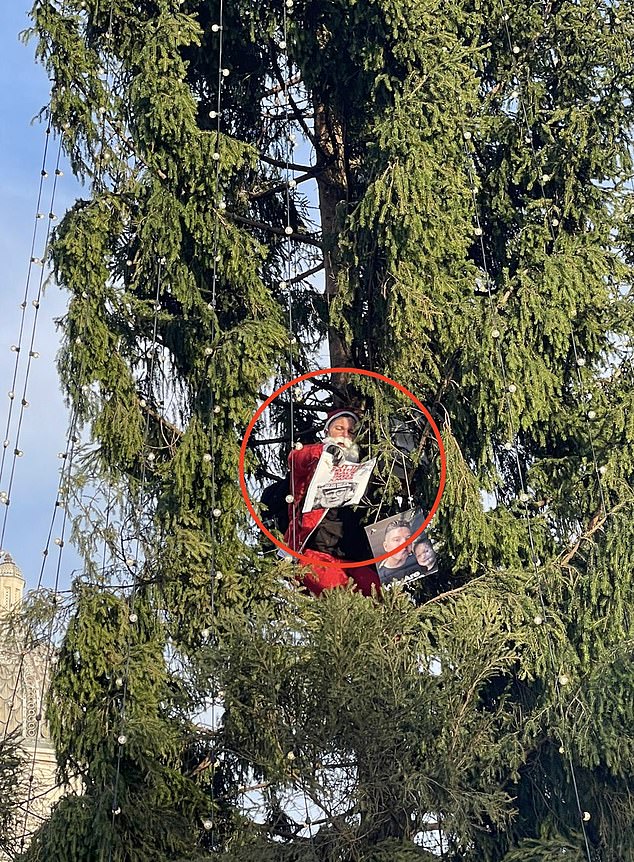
pixel 332 184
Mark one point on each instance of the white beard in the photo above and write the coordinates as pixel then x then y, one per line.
pixel 350 448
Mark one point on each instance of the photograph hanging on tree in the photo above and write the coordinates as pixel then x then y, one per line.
pixel 416 560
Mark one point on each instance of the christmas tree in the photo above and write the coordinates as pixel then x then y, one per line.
pixel 459 172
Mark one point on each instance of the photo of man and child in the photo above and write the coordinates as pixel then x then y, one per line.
pixel 416 560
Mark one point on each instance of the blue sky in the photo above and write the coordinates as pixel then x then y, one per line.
pixel 23 92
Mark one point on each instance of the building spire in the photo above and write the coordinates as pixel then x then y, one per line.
pixel 11 583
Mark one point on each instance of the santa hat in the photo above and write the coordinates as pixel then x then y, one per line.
pixel 335 414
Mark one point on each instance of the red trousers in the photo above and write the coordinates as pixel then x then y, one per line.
pixel 327 572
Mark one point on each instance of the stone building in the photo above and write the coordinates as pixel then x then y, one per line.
pixel 23 680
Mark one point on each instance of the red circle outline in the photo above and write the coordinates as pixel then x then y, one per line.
pixel 243 449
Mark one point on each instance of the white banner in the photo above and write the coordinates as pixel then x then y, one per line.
pixel 336 485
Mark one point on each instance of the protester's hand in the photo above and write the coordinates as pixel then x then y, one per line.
pixel 335 452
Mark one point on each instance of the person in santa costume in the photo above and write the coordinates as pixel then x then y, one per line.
pixel 328 538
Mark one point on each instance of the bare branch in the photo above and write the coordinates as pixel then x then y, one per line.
pixel 294 79
pixel 280 187
pixel 451 592
pixel 280 163
pixel 278 231
pixel 595 523
pixel 304 275
pixel 298 115
pixel 165 425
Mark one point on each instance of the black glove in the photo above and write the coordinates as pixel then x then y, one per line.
pixel 336 452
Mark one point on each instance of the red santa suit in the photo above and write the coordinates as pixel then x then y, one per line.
pixel 327 571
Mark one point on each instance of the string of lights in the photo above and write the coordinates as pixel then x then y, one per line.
pixel 561 677
pixel 122 681
pixel 215 576
pixel 33 262
pixel 17 349
pixel 5 495
pixel 31 649
pixel 290 185
pixel 61 503
pixel 553 223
